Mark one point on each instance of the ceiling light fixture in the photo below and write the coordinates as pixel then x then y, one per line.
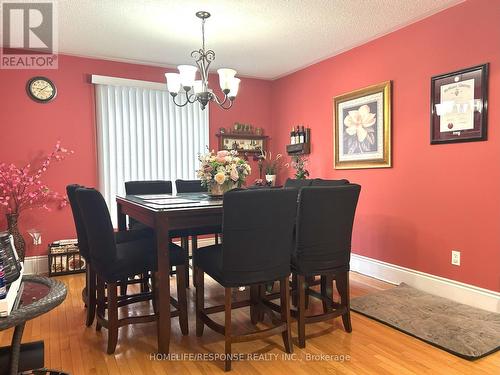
pixel 198 90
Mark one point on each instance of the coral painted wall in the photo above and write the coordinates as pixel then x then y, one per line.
pixel 435 198
pixel 29 128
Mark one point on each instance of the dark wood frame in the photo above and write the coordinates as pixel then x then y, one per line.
pixel 43 101
pixel 242 136
pixel 479 133
pixel 163 220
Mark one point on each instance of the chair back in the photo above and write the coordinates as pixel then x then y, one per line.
pixel 324 228
pixel 148 187
pixel 81 234
pixel 321 182
pixel 145 188
pixel 189 186
pixel 293 183
pixel 98 226
pixel 258 234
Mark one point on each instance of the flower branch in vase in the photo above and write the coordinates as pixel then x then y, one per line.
pixel 21 188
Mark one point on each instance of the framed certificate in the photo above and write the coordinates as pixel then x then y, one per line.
pixel 459 105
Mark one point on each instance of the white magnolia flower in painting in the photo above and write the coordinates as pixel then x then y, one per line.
pixel 356 122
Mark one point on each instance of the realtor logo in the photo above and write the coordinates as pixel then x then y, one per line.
pixel 28 35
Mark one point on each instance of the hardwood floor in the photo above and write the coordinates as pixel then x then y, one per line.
pixel 372 348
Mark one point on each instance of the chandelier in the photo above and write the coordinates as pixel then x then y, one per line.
pixel 194 90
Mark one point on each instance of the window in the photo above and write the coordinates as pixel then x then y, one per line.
pixel 142 135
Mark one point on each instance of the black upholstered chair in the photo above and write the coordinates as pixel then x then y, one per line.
pixel 257 229
pixel 89 292
pixel 323 247
pixel 113 262
pixel 148 187
pixel 322 182
pixel 293 183
pixel 190 186
pixel 194 186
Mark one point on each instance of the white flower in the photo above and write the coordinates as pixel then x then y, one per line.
pixel 357 120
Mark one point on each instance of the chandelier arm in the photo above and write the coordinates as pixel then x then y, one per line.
pixel 185 103
pixel 219 101
pixel 227 106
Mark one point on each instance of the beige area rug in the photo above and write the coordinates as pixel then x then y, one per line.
pixel 462 330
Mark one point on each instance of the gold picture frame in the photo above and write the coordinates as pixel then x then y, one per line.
pixel 362 139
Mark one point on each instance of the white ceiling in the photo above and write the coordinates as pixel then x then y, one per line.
pixel 258 38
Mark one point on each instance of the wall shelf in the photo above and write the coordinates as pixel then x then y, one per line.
pixel 298 149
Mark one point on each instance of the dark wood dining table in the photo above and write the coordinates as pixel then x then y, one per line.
pixel 163 213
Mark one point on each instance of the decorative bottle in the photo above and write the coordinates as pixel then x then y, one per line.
pixel 292 136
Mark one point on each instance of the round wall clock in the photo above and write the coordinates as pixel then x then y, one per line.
pixel 41 89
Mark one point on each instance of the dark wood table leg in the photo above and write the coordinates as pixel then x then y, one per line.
pixel 163 283
pixel 122 218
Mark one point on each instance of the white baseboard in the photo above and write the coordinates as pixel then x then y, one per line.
pixel 463 293
pixel 36 265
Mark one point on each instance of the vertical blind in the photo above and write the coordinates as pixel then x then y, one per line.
pixel 142 135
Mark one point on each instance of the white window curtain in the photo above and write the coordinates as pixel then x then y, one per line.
pixel 142 135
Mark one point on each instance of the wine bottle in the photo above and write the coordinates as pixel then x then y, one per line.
pixel 302 135
pixel 297 135
pixel 292 136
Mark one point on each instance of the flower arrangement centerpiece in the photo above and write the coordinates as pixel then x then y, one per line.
pixel 222 171
pixel 21 188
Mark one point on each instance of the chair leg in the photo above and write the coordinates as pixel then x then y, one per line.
pixel 182 299
pixel 112 318
pixel 227 328
pixel 200 299
pixel 254 298
pixel 194 247
pixel 295 290
pixel 145 282
pixel 154 287
pixel 342 283
pixel 91 295
pixel 326 291
pixel 185 246
pixel 101 301
pixel 123 287
pixel 301 310
pixel 285 314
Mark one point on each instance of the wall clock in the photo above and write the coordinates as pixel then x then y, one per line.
pixel 41 89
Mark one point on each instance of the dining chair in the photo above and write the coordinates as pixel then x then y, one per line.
pixel 89 291
pixel 194 186
pixel 293 183
pixel 322 248
pixel 323 182
pixel 257 229
pixel 311 281
pixel 113 262
pixel 151 187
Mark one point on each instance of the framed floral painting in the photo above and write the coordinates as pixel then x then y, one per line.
pixel 362 135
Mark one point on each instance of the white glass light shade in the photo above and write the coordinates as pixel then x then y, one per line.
pixel 198 86
pixel 173 82
pixel 188 74
pixel 225 77
pixel 233 87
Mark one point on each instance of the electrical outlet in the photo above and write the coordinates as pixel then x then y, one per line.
pixel 455 257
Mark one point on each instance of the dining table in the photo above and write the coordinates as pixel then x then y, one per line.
pixel 164 213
